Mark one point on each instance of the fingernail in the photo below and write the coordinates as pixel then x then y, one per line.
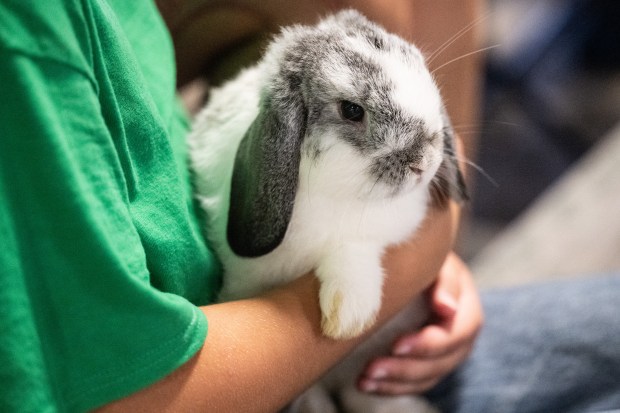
pixel 447 301
pixel 369 386
pixel 378 373
pixel 403 349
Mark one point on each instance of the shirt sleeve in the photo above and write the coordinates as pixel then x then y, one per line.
pixel 81 322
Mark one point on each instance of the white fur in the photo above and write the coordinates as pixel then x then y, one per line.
pixel 336 229
pixel 341 221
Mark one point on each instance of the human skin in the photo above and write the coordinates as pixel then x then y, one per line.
pixel 261 352
pixel 420 359
pixel 251 360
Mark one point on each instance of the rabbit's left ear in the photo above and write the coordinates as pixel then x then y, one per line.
pixel 266 171
pixel 448 182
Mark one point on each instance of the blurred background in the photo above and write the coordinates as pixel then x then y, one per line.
pixel 548 204
pixel 552 91
pixel 532 86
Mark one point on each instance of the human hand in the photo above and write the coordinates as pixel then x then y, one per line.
pixel 421 359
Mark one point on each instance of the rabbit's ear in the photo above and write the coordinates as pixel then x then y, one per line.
pixel 266 170
pixel 449 181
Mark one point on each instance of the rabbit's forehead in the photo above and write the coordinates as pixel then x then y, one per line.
pixel 413 91
pixel 392 74
pixel 387 82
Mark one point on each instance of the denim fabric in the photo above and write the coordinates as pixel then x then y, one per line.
pixel 544 348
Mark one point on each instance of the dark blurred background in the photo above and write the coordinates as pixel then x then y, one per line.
pixel 551 92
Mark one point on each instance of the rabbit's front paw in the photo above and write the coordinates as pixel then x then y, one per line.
pixel 344 316
pixel 350 298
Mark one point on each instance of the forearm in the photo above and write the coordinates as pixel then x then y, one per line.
pixel 260 353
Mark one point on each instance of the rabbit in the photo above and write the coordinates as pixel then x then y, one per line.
pixel 317 158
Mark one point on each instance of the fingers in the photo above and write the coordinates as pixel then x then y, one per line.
pixel 394 388
pixel 443 303
pixel 436 353
pixel 431 342
pixel 445 292
pixel 421 359
pixel 394 375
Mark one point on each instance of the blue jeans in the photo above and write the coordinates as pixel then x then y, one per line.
pixel 548 348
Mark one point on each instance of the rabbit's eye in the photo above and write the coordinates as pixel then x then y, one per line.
pixel 351 111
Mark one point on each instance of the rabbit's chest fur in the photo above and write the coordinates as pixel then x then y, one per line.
pixel 330 212
pixel 316 159
pixel 322 226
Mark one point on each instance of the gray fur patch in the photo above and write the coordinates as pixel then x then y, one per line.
pixel 394 168
pixel 448 182
pixel 265 173
pixel 294 102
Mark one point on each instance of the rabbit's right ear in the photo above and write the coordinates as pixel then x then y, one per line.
pixel 266 171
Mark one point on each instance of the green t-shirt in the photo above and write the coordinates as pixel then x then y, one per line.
pixel 102 262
